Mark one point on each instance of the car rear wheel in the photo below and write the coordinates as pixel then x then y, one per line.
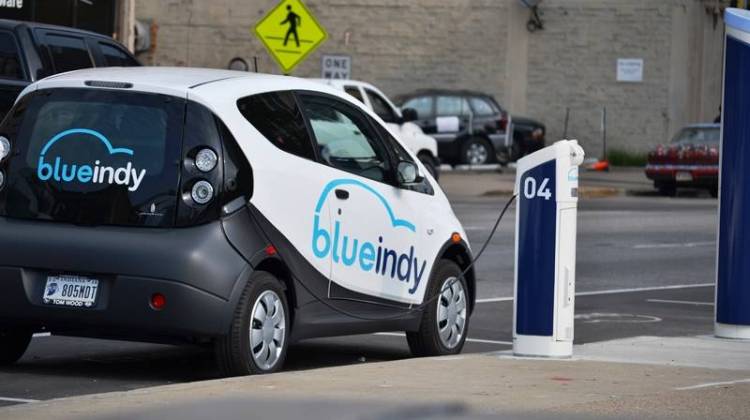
pixel 714 191
pixel 258 339
pixel 429 162
pixel 476 151
pixel 13 344
pixel 445 321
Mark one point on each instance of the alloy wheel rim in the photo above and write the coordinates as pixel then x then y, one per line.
pixel 267 330
pixel 476 154
pixel 451 312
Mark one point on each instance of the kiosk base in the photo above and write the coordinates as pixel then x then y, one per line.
pixel 541 346
pixel 738 332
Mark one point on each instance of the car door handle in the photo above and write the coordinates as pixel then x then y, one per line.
pixel 342 194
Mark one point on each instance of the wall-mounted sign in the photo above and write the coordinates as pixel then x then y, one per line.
pixel 18 4
pixel 336 66
pixel 629 69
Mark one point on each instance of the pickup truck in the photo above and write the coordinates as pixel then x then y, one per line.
pixel 32 51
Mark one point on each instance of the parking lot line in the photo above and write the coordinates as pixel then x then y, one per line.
pixel 680 302
pixel 611 291
pixel 42 334
pixel 674 245
pixel 713 384
pixel 17 400
pixel 470 340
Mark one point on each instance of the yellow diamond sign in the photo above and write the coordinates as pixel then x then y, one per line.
pixel 290 33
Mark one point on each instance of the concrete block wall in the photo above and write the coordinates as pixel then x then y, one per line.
pixel 404 45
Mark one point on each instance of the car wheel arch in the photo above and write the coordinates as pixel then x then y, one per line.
pixel 461 255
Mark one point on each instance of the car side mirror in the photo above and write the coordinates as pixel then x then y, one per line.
pixel 408 173
pixel 409 114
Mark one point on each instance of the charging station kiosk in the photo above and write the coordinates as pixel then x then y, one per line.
pixel 547 193
pixel 733 265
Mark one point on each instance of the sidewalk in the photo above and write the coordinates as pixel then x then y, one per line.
pixel 644 377
pixel 619 181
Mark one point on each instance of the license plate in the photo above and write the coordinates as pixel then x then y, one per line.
pixel 73 291
pixel 683 176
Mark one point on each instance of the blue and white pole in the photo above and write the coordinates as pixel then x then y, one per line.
pixel 733 260
pixel 547 189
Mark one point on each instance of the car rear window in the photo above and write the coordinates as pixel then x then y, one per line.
pixel 697 136
pixel 94 157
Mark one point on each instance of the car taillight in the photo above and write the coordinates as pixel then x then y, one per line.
pixel 502 124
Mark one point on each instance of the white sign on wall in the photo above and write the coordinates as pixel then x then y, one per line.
pixel 629 69
pixel 336 66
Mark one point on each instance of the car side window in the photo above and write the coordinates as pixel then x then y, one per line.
pixel 481 107
pixel 421 104
pixel 277 116
pixel 345 138
pixel 115 56
pixel 354 91
pixel 381 107
pixel 68 52
pixel 449 106
pixel 10 62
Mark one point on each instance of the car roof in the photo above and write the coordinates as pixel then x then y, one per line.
pixel 208 86
pixel 453 92
pixel 12 24
pixel 703 125
pixel 339 83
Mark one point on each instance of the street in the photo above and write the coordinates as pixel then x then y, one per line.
pixel 644 268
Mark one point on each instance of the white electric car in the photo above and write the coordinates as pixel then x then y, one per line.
pixel 237 210
pixel 397 120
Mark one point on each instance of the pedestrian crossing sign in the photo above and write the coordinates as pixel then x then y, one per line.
pixel 290 33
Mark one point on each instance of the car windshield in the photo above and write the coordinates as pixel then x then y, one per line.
pixel 697 135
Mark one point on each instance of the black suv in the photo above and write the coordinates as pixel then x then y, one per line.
pixel 32 51
pixel 471 128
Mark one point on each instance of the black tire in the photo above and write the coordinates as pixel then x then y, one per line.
pixel 429 162
pixel 13 344
pixel 427 341
pixel 233 351
pixel 667 190
pixel 714 191
pixel 477 151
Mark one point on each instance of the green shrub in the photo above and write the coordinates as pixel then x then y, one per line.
pixel 619 157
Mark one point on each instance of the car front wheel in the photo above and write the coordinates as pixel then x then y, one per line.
pixel 258 339
pixel 476 151
pixel 445 321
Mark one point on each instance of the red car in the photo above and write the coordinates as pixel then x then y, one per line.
pixel 691 160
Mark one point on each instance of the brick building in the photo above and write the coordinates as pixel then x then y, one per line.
pixel 402 45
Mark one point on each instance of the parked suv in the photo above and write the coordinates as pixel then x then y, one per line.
pixel 471 128
pixel 401 122
pixel 32 51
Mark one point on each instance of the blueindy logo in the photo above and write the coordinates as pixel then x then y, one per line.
pixel 53 167
pixel 369 255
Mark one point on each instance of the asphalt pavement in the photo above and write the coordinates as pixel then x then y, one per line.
pixel 645 265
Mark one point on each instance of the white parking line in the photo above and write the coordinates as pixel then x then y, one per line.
pixel 611 291
pixel 713 384
pixel 674 245
pixel 470 340
pixel 41 335
pixel 18 400
pixel 680 302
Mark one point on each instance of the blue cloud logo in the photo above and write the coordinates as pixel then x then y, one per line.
pixel 92 173
pixel 345 249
